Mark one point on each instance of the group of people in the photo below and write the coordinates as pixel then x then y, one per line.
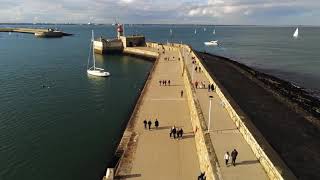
pixel 197 69
pixel 168 58
pixel 149 123
pixel 176 132
pixel 202 84
pixel 164 82
pixel 233 157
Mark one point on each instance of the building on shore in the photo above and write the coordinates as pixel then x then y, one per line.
pixel 103 45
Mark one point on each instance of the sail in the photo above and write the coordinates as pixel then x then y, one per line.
pixel 214 31
pixel 195 31
pixel 171 32
pixel 296 33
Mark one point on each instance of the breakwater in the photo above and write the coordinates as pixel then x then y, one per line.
pixel 30 31
pixel 208 159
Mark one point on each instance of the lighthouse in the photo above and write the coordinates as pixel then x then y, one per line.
pixel 119 30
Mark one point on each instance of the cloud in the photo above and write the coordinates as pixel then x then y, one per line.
pixel 162 11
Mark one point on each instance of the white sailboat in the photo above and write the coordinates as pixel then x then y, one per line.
pixel 214 31
pixel 296 33
pixel 204 29
pixel 94 71
pixel 195 31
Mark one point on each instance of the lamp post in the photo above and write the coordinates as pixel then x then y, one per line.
pixel 209 119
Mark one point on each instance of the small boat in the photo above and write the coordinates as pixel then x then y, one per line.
pixel 94 71
pixel 195 31
pixel 214 31
pixel 211 43
pixel 296 33
pixel 204 29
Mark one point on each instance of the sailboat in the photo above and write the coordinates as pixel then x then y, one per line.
pixel 94 71
pixel 195 31
pixel 296 33
pixel 204 29
pixel 214 31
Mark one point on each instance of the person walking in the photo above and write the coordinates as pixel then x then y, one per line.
pixel 181 133
pixel 160 82
pixel 234 155
pixel 174 132
pixel 145 123
pixel 149 124
pixel 199 69
pixel 209 88
pixel 196 68
pixel 202 176
pixel 226 157
pixel 156 123
pixel 169 82
pixel 196 83
pixel 212 87
pixel 181 93
pixel 171 131
pixel 165 82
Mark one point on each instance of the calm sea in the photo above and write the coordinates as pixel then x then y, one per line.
pixel 69 128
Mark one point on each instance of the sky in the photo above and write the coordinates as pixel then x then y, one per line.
pixel 224 12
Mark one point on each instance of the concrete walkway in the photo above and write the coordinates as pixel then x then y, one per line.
pixel 157 156
pixel 224 134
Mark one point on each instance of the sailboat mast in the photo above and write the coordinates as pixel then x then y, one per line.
pixel 94 59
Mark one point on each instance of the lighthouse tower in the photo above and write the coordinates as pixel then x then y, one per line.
pixel 119 30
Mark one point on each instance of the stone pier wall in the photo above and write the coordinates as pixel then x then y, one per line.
pixel 269 159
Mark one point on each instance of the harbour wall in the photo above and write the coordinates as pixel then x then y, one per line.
pixel 268 158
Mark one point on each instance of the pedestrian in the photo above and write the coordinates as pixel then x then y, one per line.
pixel 181 93
pixel 149 124
pixel 196 83
pixel 212 87
pixel 181 133
pixel 209 88
pixel 156 123
pixel 169 82
pixel 160 82
pixel 145 123
pixel 234 155
pixel 204 85
pixel 226 157
pixel 165 82
pixel 199 69
pixel 174 132
pixel 171 131
pixel 196 68
pixel 202 176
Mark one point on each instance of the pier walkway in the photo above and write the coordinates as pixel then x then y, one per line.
pixel 224 134
pixel 153 155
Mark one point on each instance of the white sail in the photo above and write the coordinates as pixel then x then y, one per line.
pixel 296 33
pixel 204 29
pixel 171 32
pixel 195 31
pixel 214 31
